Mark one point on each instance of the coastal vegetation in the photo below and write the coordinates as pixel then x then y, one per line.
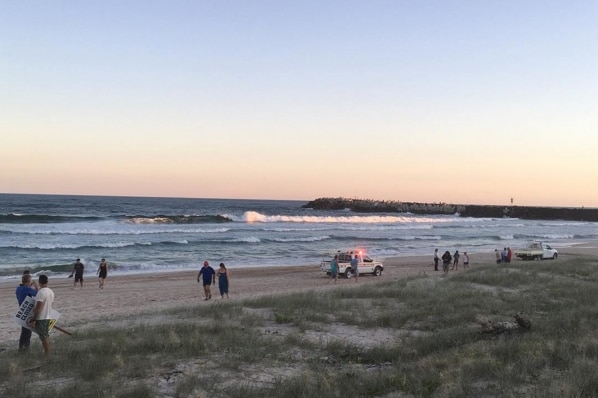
pixel 390 206
pixel 420 337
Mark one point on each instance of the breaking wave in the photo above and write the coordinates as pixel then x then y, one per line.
pixel 42 219
pixel 255 217
pixel 181 219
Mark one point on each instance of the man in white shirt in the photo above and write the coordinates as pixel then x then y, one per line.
pixel 42 313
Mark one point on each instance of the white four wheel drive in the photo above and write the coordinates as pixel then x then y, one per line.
pixel 366 264
pixel 537 251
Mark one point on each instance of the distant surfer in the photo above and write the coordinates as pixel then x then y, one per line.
pixel 78 269
pixel 102 272
pixel 42 311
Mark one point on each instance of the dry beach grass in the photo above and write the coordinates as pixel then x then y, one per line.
pixel 286 332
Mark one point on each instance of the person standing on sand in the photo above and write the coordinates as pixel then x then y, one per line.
pixel 102 272
pixel 222 280
pixel 446 261
pixel 465 260
pixel 334 269
pixel 436 259
pixel 509 254
pixel 27 288
pixel 498 256
pixel 355 267
pixel 78 270
pixel 42 313
pixel 456 260
pixel 208 277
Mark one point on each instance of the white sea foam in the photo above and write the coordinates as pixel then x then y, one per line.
pixel 249 239
pixel 555 236
pixel 50 246
pixel 113 230
pixel 147 220
pixel 310 239
pixel 255 217
pixel 419 237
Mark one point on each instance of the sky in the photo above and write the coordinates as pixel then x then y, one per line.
pixel 470 102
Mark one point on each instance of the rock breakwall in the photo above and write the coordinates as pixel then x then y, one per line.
pixel 492 211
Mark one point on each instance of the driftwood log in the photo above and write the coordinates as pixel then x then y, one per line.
pixel 495 328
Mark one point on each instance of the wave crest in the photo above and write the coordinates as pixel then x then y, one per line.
pixel 42 219
pixel 255 217
pixel 177 219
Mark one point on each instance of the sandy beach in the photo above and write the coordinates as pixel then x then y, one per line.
pixel 134 294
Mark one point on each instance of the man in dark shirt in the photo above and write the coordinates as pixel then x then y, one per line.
pixel 209 277
pixel 78 271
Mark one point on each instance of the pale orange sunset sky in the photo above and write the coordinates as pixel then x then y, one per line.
pixel 438 101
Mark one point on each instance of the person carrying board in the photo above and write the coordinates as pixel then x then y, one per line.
pixel 27 288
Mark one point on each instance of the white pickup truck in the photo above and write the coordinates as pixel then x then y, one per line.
pixel 537 251
pixel 366 265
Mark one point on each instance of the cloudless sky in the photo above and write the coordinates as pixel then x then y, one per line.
pixel 428 101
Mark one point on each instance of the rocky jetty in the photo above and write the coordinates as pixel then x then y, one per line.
pixel 523 212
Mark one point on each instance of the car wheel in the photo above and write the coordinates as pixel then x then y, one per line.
pixel 539 257
pixel 554 256
pixel 378 271
pixel 348 273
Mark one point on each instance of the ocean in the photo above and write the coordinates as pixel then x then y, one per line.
pixel 47 233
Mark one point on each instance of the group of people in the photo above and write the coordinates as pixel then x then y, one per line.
pixel 208 277
pixel 40 322
pixel 334 267
pixel 447 259
pixel 503 256
pixel 206 273
pixel 79 269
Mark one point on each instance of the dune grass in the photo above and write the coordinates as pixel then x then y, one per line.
pixel 413 337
